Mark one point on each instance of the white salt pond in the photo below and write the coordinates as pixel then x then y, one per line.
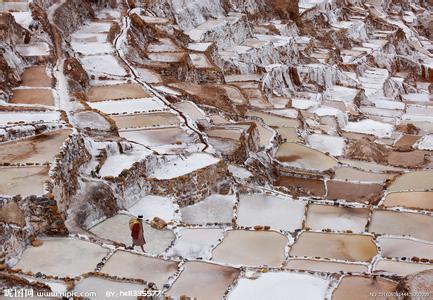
pixel 134 266
pixel 280 286
pixel 213 209
pixel 277 212
pixel 117 229
pixel 195 243
pixel 151 206
pixel 62 257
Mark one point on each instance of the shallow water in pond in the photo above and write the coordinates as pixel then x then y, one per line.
pixel 324 266
pixel 116 91
pixel 399 267
pixel 33 96
pixel 414 181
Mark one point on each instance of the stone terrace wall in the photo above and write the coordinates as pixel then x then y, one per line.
pixel 21 220
pixel 64 174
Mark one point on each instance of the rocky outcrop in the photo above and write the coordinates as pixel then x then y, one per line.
pixel 11 63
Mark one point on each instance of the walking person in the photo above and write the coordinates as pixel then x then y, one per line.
pixel 137 232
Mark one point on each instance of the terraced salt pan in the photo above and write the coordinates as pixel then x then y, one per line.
pixel 324 266
pixel 190 109
pixel 158 136
pixel 412 181
pixel 128 106
pixel 280 286
pixel 418 200
pixel 405 247
pixel 62 257
pixel 33 49
pixel 334 145
pixel 273 120
pixel 336 218
pixel 147 120
pixel 203 281
pixel 102 286
pixel 29 117
pixel 116 92
pixel 299 156
pixel 400 268
pixel 354 175
pixel 100 65
pixel 277 212
pixel 94 27
pixel 369 166
pixel 251 248
pixel 37 149
pixel 368 126
pixel 128 265
pixel 213 209
pixel 116 163
pixel 402 223
pixel 151 206
pixel 92 48
pixel 36 76
pixel 352 247
pixel 117 229
pixel 91 119
pixel 288 134
pixel 177 166
pixel 37 96
pixel 362 287
pixel 193 243
pixel 24 181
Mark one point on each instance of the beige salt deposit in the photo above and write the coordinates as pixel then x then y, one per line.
pixel 147 120
pixel 402 223
pixel 400 268
pixel 251 248
pixel 135 266
pixel 203 280
pixel 405 247
pixel 37 149
pixel 33 96
pixel 336 218
pixel 417 200
pixel 24 181
pixel 353 247
pixel 35 76
pixel 116 91
pixel 413 181
pixel 360 287
pixel 299 156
